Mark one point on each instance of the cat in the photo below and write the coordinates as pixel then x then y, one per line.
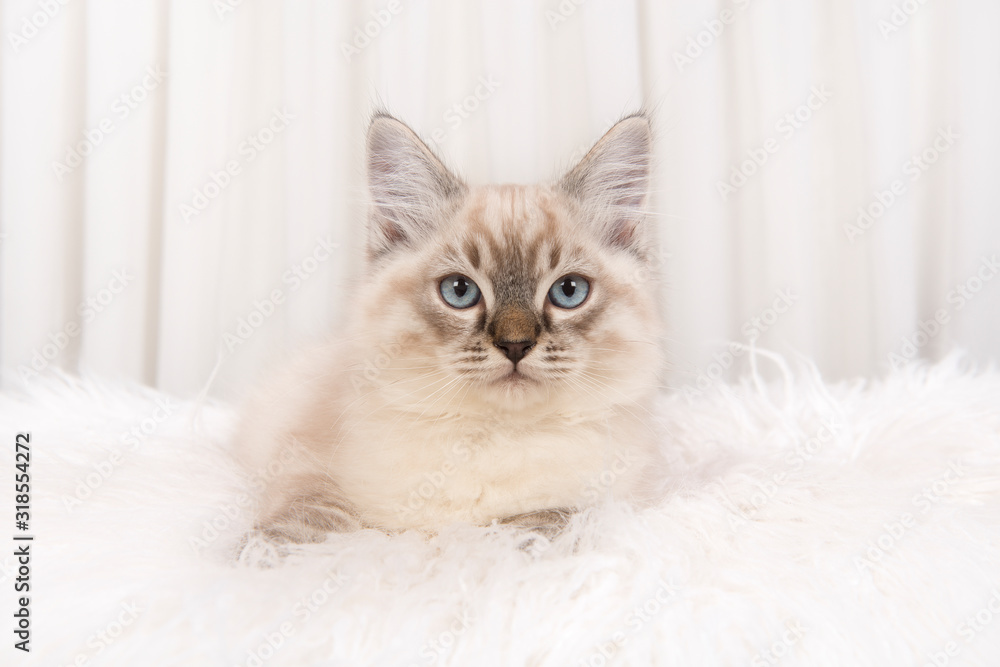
pixel 501 362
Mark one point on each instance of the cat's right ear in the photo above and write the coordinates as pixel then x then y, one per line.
pixel 410 187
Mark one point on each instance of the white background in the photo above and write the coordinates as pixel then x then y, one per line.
pixel 565 74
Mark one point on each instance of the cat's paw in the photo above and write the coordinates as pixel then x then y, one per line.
pixel 269 544
pixel 293 533
pixel 258 550
pixel 547 523
pixel 308 520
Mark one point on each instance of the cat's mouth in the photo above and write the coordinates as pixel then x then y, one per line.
pixel 514 378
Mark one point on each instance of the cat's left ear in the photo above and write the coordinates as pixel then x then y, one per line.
pixel 410 187
pixel 611 182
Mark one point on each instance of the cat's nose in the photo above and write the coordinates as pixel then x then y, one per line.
pixel 515 350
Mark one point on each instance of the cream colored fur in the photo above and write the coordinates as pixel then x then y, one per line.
pixel 393 427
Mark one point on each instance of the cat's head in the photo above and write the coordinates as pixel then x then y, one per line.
pixel 509 295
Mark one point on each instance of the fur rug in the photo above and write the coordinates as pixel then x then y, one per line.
pixel 806 524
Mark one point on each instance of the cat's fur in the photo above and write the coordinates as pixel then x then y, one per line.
pixel 414 420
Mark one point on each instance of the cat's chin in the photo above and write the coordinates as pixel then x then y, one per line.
pixel 514 385
pixel 514 379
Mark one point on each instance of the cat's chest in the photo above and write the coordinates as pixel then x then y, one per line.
pixel 414 471
pixel 491 445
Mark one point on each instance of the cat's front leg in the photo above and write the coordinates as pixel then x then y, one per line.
pixel 308 516
pixel 548 522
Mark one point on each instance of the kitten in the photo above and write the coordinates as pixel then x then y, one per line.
pixel 502 360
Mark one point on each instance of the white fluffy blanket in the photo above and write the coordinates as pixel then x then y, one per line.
pixel 807 524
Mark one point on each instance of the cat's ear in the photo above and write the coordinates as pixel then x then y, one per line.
pixel 410 187
pixel 611 182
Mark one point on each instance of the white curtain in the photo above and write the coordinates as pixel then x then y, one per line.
pixel 182 186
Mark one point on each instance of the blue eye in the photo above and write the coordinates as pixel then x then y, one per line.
pixel 459 292
pixel 569 291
